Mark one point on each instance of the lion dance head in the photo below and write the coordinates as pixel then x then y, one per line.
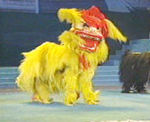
pixel 91 25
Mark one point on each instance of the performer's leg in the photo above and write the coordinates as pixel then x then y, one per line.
pixel 140 87
pixel 126 86
pixel 86 87
pixel 42 93
pixel 125 89
pixel 71 93
pixel 89 95
pixel 36 97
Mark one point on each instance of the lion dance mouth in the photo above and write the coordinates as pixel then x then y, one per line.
pixel 92 41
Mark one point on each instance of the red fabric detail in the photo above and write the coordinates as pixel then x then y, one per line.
pixel 104 29
pixel 92 21
pixel 90 45
pixel 88 34
pixel 96 12
pixel 95 18
pixel 84 62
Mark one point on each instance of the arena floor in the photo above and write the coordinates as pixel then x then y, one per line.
pixel 15 106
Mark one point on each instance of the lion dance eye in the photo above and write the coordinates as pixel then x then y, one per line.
pixel 85 25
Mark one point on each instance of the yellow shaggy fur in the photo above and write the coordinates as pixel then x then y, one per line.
pixel 70 15
pixel 53 68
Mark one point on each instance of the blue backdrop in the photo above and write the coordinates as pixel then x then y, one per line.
pixel 21 32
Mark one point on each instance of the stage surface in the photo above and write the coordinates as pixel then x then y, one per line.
pixel 16 106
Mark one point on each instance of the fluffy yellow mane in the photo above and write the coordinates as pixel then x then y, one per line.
pixel 114 33
pixel 71 40
pixel 73 16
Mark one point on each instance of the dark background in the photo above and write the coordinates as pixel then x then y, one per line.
pixel 21 32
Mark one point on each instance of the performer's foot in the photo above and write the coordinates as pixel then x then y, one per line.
pixel 36 98
pixel 93 102
pixel 127 91
pixel 93 98
pixel 142 91
pixel 71 98
pixel 47 101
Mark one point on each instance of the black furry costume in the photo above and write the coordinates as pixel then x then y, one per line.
pixel 134 71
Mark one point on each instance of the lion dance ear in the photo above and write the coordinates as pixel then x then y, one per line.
pixel 114 33
pixel 73 16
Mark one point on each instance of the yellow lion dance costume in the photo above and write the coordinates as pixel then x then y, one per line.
pixel 69 67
